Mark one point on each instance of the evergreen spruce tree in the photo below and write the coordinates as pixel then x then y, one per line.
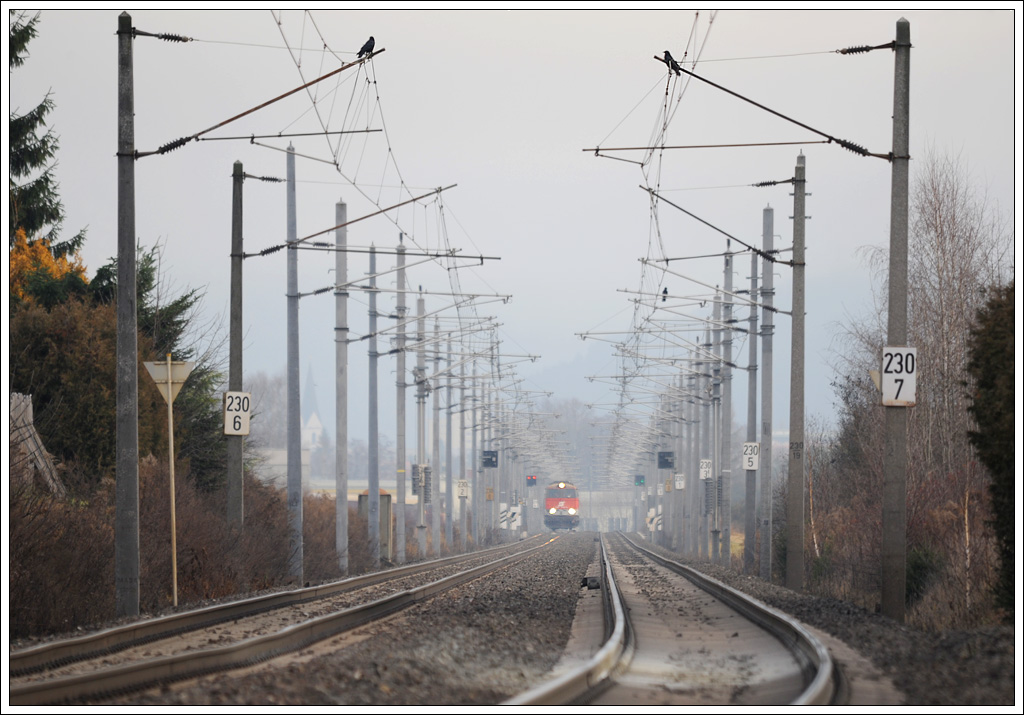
pixel 991 364
pixel 166 325
pixel 35 204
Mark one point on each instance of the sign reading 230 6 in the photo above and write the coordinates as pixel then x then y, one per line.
pixel 899 377
pixel 236 413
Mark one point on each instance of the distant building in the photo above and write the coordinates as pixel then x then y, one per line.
pixel 275 466
pixel 312 426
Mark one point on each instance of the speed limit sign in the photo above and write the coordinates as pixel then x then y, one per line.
pixel 236 412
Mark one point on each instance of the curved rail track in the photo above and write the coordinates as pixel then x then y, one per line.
pixel 676 636
pixel 235 634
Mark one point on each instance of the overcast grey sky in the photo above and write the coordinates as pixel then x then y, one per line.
pixel 503 104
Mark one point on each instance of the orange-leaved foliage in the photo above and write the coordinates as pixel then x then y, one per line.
pixel 32 258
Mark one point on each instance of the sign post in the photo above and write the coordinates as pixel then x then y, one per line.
pixel 169 377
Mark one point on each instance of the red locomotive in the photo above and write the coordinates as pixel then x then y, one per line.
pixel 561 506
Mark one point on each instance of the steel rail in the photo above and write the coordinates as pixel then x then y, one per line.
pixel 578 683
pixel 133 677
pixel 820 674
pixel 59 653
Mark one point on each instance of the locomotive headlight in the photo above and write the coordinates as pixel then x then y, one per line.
pixel 571 511
pixel 552 510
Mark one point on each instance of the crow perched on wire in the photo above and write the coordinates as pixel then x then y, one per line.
pixel 664 294
pixel 366 48
pixel 672 64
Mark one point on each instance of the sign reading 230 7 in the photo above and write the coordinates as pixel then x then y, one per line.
pixel 899 377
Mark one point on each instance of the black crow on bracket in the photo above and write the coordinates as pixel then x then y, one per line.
pixel 672 64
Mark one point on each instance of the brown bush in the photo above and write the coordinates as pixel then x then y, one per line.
pixel 62 551
pixel 61 561
pixel 214 560
pixel 319 552
pixel 358 541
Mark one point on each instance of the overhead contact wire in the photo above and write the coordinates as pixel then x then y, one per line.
pixel 177 143
pixel 856 149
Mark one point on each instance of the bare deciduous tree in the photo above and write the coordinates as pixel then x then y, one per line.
pixel 958 246
pixel 270 410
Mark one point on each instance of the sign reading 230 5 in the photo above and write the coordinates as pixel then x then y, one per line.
pixel 751 455
pixel 899 377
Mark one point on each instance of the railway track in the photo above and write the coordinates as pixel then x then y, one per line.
pixel 481 628
pixel 233 635
pixel 674 636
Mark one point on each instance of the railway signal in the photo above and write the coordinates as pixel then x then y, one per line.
pixel 421 483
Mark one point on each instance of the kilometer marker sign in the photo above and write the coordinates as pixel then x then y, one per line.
pixel 899 377
pixel 237 412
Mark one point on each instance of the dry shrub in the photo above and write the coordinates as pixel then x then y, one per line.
pixel 412 546
pixel 61 560
pixel 846 566
pixel 958 593
pixel 490 537
pixel 358 541
pixel 412 549
pixel 319 552
pixel 470 544
pixel 62 551
pixel 943 605
pixel 214 560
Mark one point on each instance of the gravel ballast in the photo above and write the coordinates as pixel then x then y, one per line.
pixel 486 641
pixel 969 667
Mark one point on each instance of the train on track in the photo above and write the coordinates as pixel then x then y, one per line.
pixel 561 506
